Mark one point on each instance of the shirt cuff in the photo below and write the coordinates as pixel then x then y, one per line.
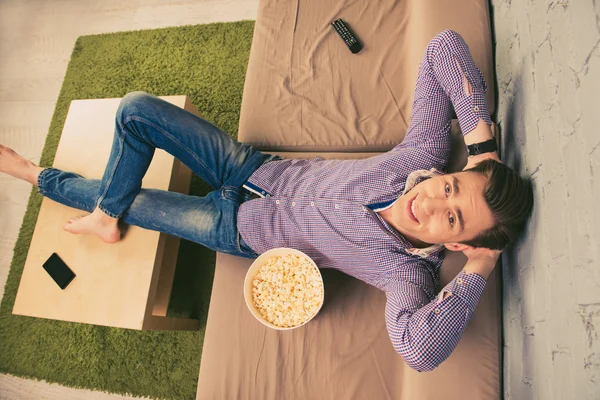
pixel 467 287
pixel 470 109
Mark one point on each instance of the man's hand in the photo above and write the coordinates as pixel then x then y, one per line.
pixel 474 160
pixel 481 260
pixel 482 253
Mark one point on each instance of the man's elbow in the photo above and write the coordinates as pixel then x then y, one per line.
pixel 418 357
pixel 421 364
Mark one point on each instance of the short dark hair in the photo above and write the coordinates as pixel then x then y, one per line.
pixel 509 197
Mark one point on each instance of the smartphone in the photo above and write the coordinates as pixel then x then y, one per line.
pixel 59 271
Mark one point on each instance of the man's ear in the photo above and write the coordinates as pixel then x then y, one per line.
pixel 458 246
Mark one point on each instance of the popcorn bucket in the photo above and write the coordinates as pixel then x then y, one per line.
pixel 273 292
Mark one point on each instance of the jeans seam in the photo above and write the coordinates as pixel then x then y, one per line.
pixel 67 200
pixel 112 173
pixel 179 144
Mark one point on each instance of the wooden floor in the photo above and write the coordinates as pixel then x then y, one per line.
pixel 36 40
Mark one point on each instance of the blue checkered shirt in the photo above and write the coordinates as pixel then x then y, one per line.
pixel 328 209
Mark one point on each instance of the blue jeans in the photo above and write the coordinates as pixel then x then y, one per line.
pixel 144 123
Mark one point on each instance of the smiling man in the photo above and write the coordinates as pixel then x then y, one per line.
pixel 435 211
pixel 384 219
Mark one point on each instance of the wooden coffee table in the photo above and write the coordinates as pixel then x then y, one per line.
pixel 127 284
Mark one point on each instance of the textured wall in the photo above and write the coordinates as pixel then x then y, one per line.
pixel 548 71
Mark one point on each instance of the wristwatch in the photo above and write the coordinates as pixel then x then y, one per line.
pixel 484 147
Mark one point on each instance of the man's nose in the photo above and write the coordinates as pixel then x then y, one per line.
pixel 431 205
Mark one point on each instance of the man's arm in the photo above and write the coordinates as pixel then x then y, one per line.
pixel 448 78
pixel 425 331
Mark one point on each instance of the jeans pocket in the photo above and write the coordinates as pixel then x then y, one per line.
pixel 244 248
pixel 272 157
pixel 239 242
pixel 232 194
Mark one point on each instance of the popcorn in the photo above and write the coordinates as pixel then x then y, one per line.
pixel 287 291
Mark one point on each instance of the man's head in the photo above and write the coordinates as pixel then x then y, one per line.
pixel 485 206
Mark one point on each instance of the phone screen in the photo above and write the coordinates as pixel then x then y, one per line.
pixel 59 271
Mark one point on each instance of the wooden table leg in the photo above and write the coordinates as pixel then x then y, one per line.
pixel 167 323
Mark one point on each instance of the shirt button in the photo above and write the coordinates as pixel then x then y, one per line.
pixel 312 203
pixel 270 196
pixel 476 109
pixel 262 192
pixel 460 281
pixel 437 311
pixel 293 203
pixel 276 201
pixel 337 206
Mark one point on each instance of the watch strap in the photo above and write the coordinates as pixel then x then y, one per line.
pixel 484 147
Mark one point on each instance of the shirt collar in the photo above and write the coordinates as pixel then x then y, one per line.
pixel 413 179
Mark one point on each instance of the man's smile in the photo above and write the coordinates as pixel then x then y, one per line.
pixel 411 209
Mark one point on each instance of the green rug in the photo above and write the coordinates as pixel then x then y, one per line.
pixel 208 63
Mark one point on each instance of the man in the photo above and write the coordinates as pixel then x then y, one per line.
pixel 384 220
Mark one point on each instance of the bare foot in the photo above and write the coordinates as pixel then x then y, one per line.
pixel 15 165
pixel 97 223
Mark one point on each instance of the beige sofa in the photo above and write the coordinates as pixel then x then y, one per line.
pixel 306 95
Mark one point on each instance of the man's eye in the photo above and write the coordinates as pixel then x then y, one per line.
pixel 451 219
pixel 447 188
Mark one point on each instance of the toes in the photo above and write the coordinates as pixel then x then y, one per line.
pixel 73 219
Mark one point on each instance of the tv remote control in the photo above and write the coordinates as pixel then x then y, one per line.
pixel 346 34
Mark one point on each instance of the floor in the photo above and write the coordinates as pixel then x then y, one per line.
pixel 548 69
pixel 36 40
pixel 548 72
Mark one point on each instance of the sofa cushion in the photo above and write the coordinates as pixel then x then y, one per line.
pixel 344 353
pixel 305 91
